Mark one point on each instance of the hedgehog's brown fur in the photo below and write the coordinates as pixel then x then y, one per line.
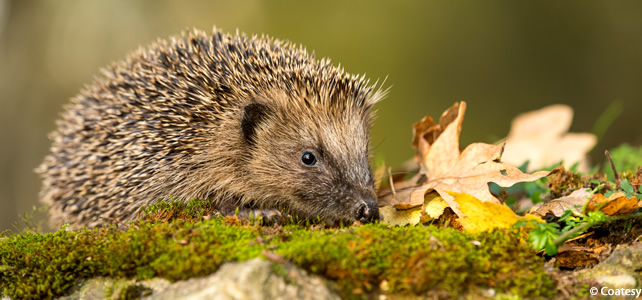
pixel 168 122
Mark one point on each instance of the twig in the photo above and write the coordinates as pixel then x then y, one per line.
pixel 392 184
pixel 617 177
pixel 581 236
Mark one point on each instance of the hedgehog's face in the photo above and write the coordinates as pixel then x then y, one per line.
pixel 315 165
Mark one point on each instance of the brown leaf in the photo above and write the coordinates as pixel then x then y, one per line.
pixel 426 132
pixel 557 207
pixel 541 138
pixel 572 256
pixel 468 172
pixel 616 204
pixel 398 193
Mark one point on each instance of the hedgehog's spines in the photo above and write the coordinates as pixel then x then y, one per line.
pixel 162 122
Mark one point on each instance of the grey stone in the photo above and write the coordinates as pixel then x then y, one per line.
pixel 619 269
pixel 617 281
pixel 253 279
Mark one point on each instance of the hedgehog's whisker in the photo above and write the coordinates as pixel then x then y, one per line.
pixel 400 190
pixel 393 174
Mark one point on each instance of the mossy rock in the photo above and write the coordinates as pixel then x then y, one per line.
pixel 362 261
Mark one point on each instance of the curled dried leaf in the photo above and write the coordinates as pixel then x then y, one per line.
pixel 447 171
pixel 557 207
pixel 616 204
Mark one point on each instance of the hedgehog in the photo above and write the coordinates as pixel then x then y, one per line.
pixel 252 124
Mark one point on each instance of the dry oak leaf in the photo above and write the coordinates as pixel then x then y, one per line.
pixel 541 138
pixel 467 172
pixel 426 131
pixel 616 204
pixel 558 206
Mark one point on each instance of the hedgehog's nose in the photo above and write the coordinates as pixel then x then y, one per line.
pixel 367 210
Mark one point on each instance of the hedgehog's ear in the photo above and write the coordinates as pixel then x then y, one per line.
pixel 253 115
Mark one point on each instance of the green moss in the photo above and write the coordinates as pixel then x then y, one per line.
pixel 563 182
pixel 412 260
pixel 134 291
pixel 415 260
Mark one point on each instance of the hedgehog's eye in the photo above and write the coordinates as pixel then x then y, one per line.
pixel 308 159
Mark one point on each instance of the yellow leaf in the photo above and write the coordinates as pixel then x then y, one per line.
pixel 479 216
pixel 393 216
pixel 434 205
pixel 484 216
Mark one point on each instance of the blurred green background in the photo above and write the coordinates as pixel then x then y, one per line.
pixel 502 57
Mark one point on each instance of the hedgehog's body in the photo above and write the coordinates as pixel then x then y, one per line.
pixel 241 121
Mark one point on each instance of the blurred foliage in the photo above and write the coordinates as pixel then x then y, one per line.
pixel 501 57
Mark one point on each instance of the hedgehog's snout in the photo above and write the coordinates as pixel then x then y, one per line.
pixel 367 210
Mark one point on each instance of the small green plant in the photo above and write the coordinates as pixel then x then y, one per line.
pixel 549 237
pixel 628 190
pixel 543 236
pixel 28 220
